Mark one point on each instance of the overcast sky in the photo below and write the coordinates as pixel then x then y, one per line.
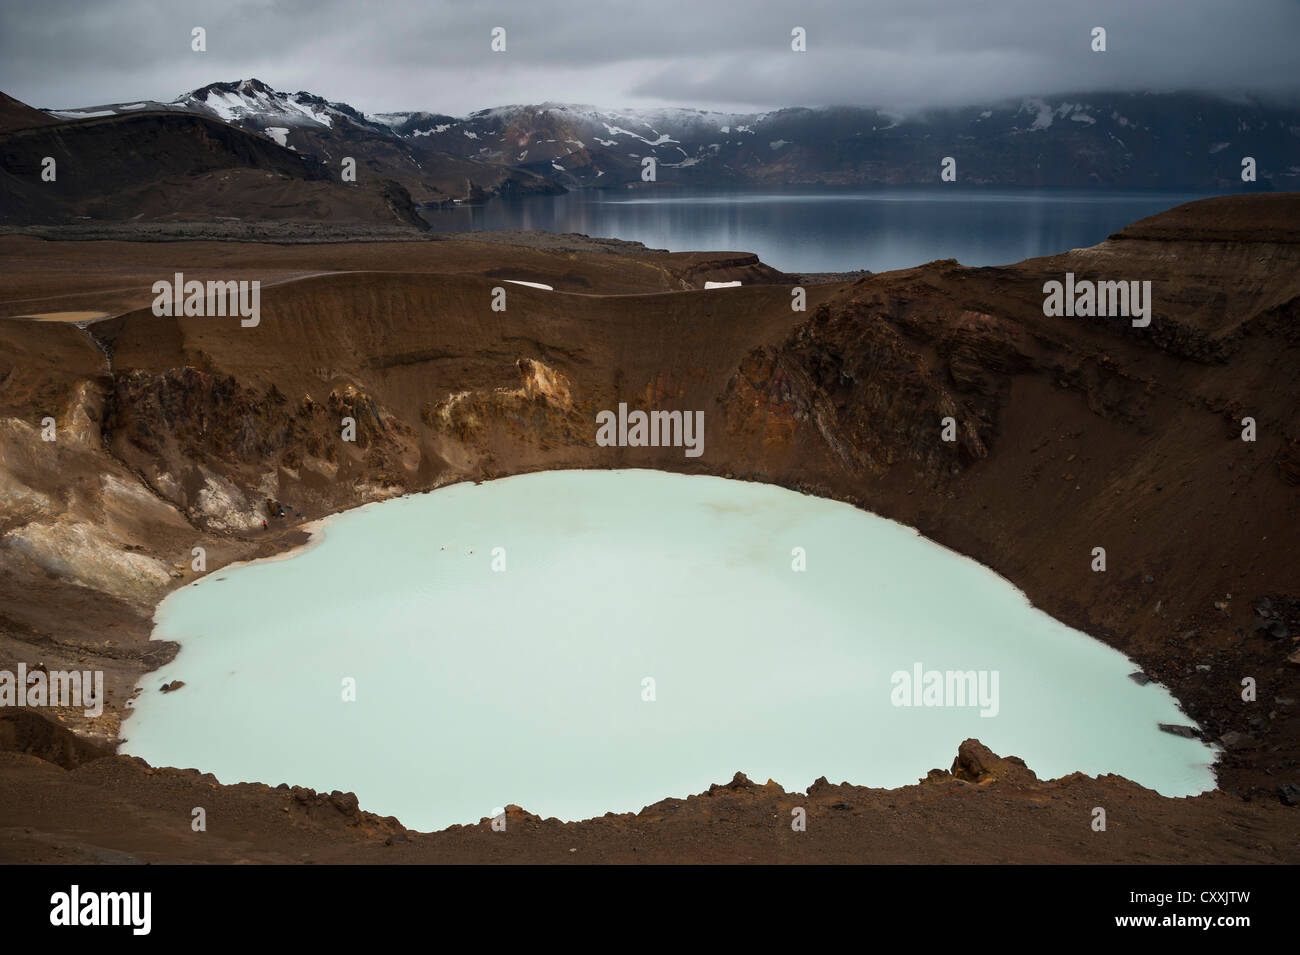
pixel 382 55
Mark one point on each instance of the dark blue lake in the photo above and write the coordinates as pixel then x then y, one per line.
pixel 832 229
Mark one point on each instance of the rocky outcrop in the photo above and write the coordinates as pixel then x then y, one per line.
pixel 976 763
pixel 867 388
pixel 541 411
pixel 209 445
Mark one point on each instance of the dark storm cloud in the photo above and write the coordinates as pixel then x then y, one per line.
pixel 435 55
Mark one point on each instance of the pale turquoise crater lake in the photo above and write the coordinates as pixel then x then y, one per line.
pixel 502 637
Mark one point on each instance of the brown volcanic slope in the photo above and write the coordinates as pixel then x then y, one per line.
pixel 166 166
pixel 1073 434
pixel 17 115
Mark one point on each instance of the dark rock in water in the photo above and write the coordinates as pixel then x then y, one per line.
pixel 1188 732
pixel 173 685
pixel 1290 794
pixel 1235 740
pixel 1140 678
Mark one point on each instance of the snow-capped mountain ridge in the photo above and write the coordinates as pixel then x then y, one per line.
pixel 241 102
pixel 1128 139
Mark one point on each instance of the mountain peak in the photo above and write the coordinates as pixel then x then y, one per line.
pixel 251 86
pixel 253 102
